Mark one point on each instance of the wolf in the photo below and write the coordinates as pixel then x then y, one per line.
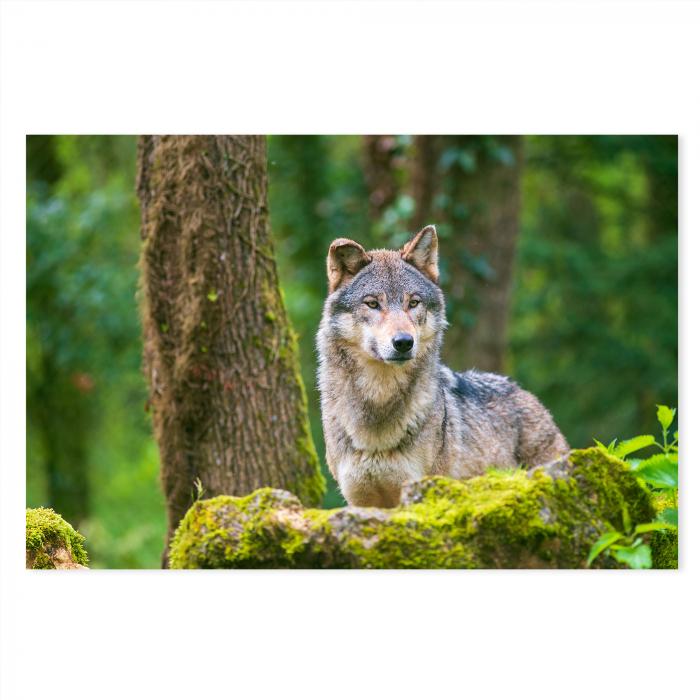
pixel 391 411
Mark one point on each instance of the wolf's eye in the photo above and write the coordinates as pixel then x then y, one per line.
pixel 413 303
pixel 372 303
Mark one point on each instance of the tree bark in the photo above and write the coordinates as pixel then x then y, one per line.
pixel 380 156
pixel 228 404
pixel 471 186
pixel 424 183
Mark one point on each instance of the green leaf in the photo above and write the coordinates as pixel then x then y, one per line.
pixel 598 443
pixel 665 415
pixel 659 459
pixel 212 296
pixel 626 447
pixel 638 556
pixel 652 527
pixel 653 461
pixel 601 544
pixel 661 473
pixel 669 515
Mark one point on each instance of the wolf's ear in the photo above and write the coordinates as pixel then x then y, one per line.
pixel 345 259
pixel 422 252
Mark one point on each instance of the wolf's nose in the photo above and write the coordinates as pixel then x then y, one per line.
pixel 403 342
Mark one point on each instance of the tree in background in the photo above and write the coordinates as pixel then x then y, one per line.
pixel 384 165
pixel 470 187
pixel 229 407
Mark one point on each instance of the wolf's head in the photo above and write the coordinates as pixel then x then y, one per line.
pixel 386 304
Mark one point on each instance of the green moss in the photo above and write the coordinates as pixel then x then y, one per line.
pixel 309 483
pixel 204 537
pixel 664 499
pixel 548 517
pixel 592 467
pixel 46 530
pixel 664 543
pixel 42 561
pixel 664 549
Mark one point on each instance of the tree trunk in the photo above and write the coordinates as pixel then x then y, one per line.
pixel 380 156
pixel 470 187
pixel 229 407
pixel 424 185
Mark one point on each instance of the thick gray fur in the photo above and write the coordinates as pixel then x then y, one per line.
pixel 388 418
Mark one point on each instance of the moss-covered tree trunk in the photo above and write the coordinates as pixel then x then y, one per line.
pixel 228 404
pixel 470 187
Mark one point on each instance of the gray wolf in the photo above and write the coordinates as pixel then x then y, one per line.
pixel 391 411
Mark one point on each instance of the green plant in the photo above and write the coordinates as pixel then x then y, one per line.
pixel 659 472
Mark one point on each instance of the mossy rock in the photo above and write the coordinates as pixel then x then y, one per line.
pixel 545 518
pixel 52 543
pixel 664 543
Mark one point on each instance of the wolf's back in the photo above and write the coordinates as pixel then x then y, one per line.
pixel 497 408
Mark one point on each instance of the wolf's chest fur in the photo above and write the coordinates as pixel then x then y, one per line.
pixel 372 421
pixel 391 412
pixel 378 436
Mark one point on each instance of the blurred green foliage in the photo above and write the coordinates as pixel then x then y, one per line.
pixel 593 325
pixel 85 393
pixel 594 322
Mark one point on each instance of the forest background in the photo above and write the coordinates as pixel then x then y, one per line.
pixel 559 261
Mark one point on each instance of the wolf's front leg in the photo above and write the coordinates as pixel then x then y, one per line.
pixel 361 487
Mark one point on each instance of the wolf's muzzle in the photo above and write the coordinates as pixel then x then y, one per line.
pixel 402 342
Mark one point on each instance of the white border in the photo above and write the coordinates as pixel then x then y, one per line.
pixel 271 67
